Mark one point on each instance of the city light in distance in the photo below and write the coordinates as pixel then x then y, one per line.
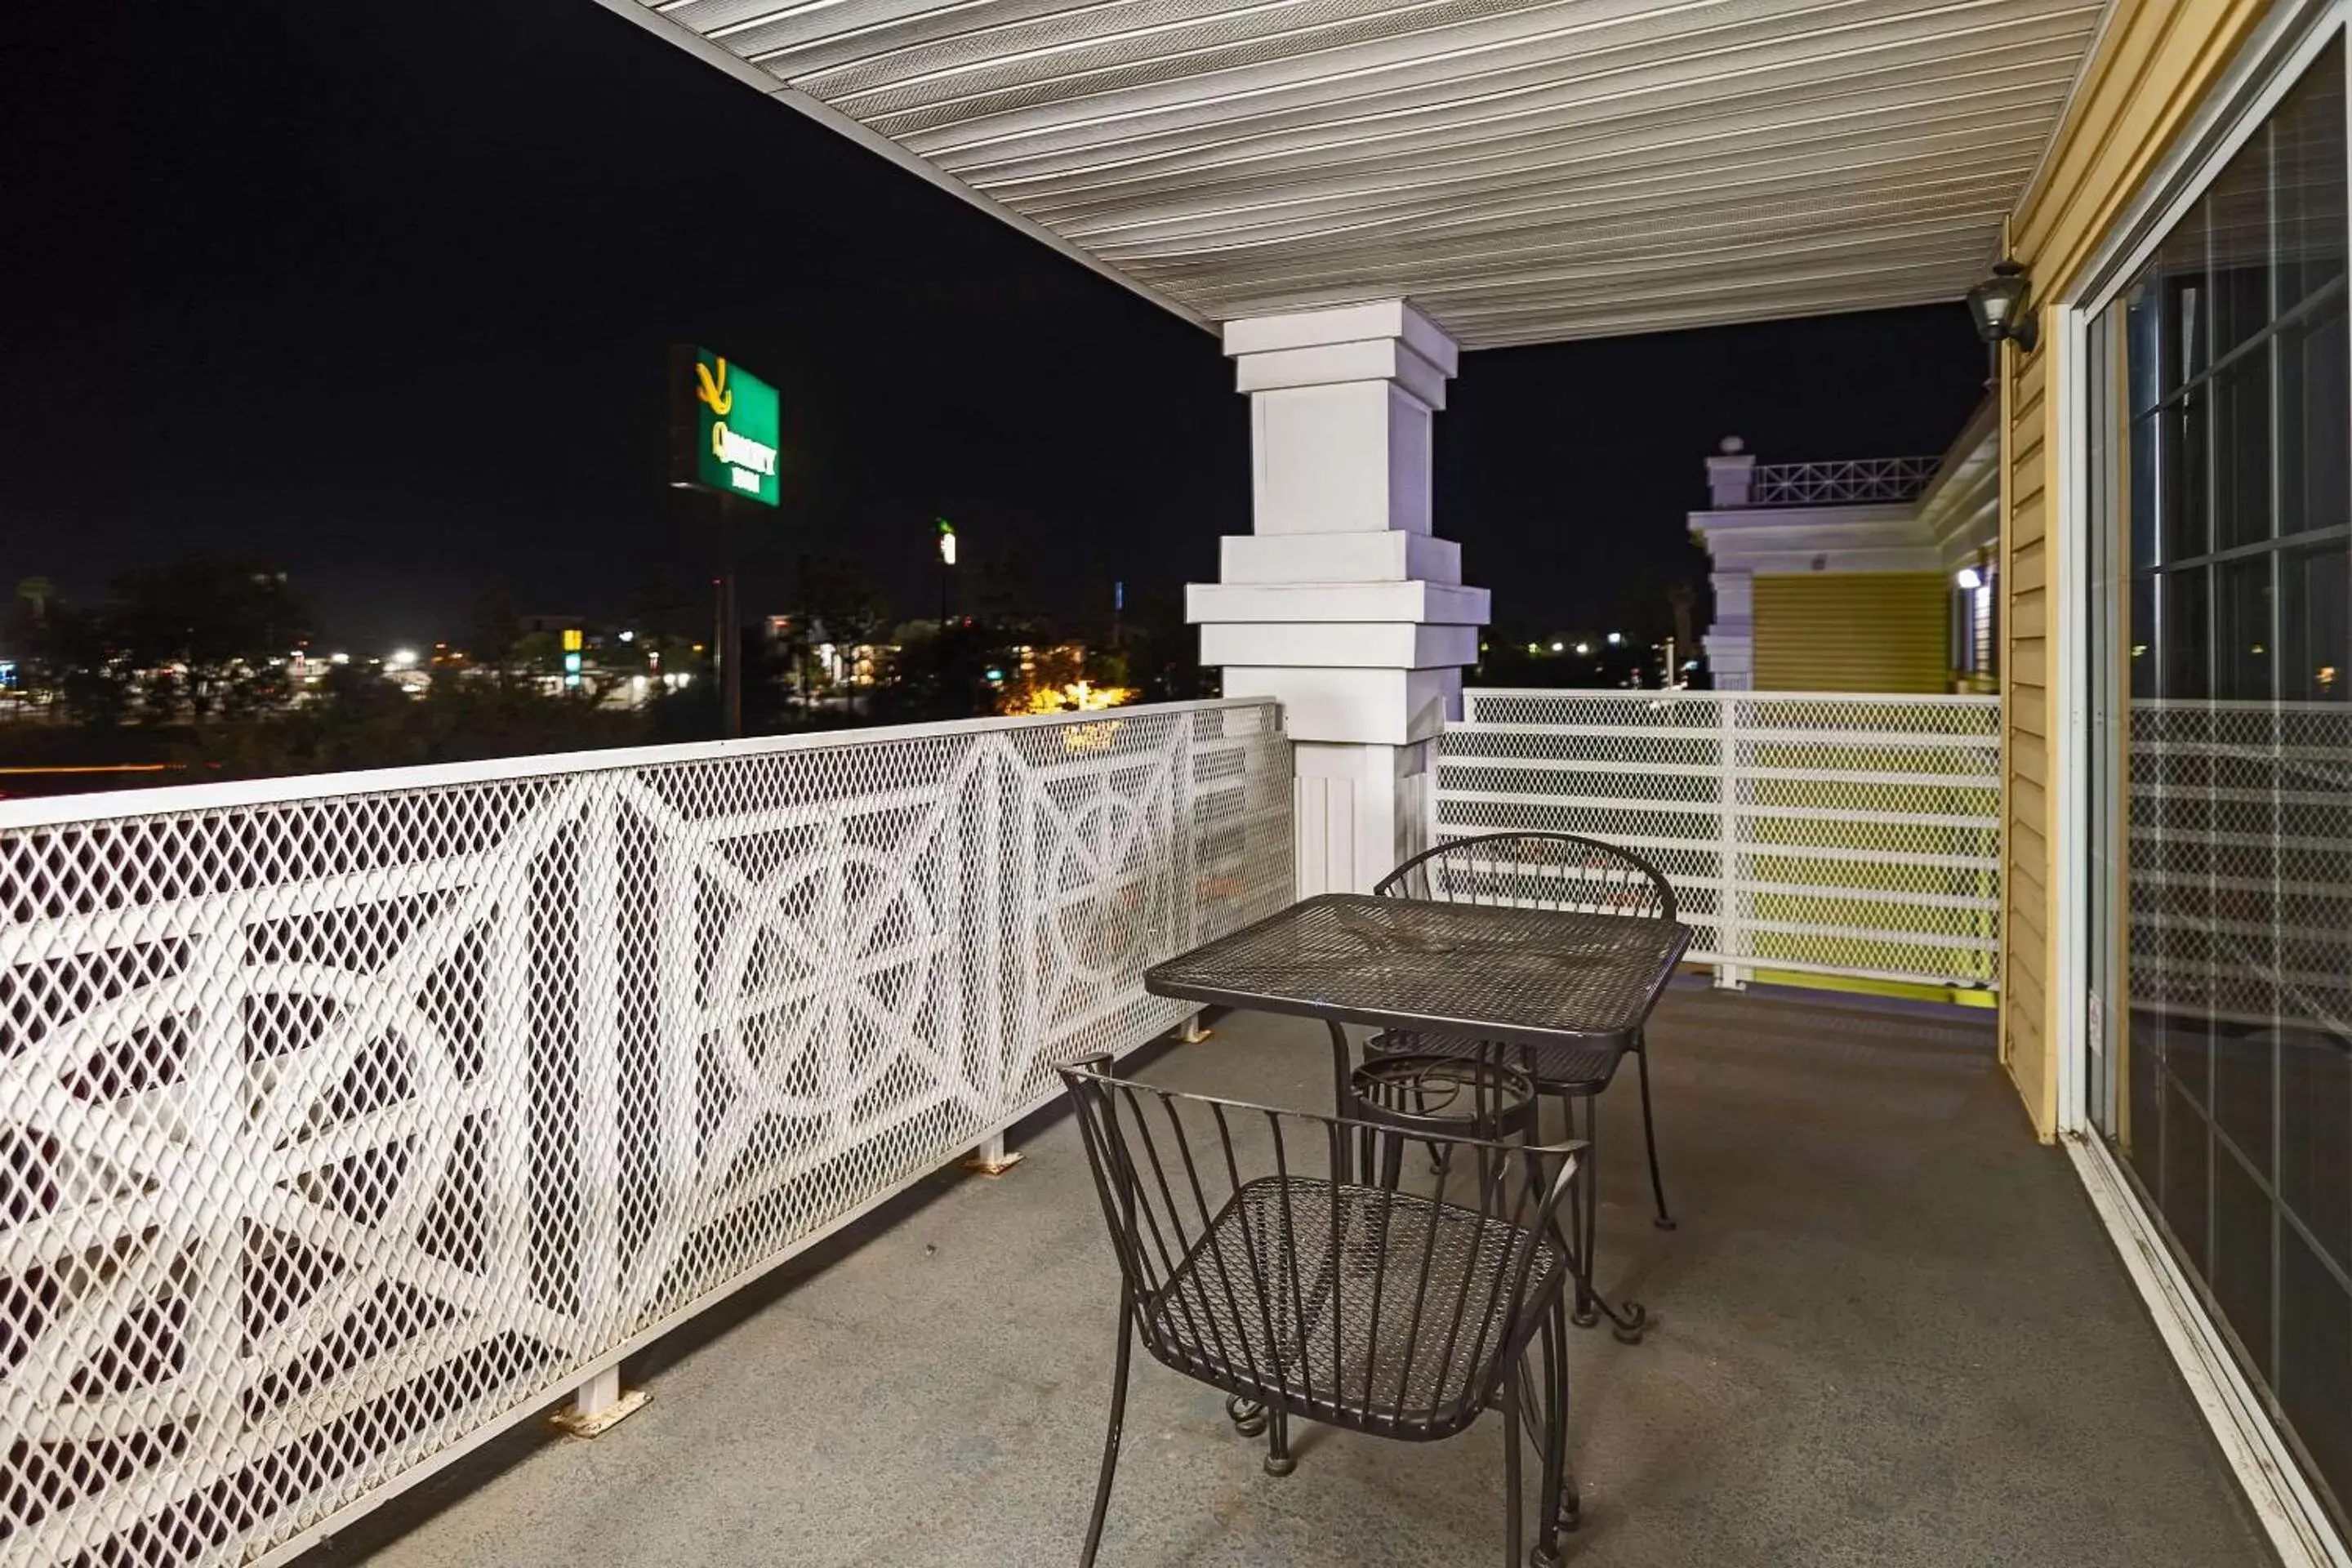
pixel 1583 647
pixel 1558 648
pixel 339 658
pixel 628 636
pixel 401 658
pixel 1616 639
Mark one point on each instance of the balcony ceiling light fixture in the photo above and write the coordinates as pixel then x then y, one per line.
pixel 2000 310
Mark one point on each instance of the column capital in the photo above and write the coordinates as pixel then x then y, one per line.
pixel 1388 342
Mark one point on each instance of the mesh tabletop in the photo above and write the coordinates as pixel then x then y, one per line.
pixel 1521 975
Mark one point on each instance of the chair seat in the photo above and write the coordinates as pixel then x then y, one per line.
pixel 1578 1068
pixel 1354 1306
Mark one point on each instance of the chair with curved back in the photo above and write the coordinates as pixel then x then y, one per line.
pixel 1548 872
pixel 1251 1259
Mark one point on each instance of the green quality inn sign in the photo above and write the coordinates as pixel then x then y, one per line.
pixel 725 428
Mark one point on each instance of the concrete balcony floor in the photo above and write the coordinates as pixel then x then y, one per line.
pixel 1889 1331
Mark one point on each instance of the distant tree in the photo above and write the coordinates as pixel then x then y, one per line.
pixel 37 631
pixel 1160 651
pixel 221 629
pixel 37 592
pixel 492 630
pixel 1003 584
pixel 941 672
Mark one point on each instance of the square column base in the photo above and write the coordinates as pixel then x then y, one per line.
pixel 1359 812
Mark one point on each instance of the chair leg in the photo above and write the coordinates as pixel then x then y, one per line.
pixel 1588 1209
pixel 1278 1460
pixel 1665 1221
pixel 1511 1529
pixel 1117 1418
pixel 1560 1505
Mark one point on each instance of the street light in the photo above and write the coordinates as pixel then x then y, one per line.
pixel 1616 639
pixel 947 559
pixel 1583 647
pixel 1556 648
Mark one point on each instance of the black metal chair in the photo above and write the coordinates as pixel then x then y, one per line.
pixel 1550 872
pixel 1250 1262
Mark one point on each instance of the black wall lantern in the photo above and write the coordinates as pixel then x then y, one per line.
pixel 1998 307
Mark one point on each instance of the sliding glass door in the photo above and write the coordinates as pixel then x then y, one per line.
pixel 2220 715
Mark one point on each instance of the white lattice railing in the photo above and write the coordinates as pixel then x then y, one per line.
pixel 342 1122
pixel 1847 482
pixel 1827 834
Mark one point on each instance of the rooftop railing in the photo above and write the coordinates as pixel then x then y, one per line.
pixel 1847 482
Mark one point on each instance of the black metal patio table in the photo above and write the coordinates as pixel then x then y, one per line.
pixel 1497 974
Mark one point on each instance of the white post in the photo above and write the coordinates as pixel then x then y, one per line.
pixel 1730 920
pixel 1730 642
pixel 1343 605
pixel 992 1158
pixel 598 1405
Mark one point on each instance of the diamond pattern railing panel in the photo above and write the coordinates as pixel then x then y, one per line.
pixel 1822 833
pixel 338 1127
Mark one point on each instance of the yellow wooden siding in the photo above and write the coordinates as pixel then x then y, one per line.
pixel 2154 66
pixel 1852 631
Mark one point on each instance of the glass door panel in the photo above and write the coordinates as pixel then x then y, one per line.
pixel 2219 603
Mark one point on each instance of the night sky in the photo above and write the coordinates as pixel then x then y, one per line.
pixel 380 292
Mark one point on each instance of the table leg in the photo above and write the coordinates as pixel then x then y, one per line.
pixel 1343 1094
pixel 1628 1321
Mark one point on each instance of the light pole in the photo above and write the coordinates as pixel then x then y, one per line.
pixel 947 560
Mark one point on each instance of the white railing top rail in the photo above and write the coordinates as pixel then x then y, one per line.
pixel 50 811
pixel 1667 699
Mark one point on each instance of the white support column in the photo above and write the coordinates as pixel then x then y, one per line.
pixel 1343 605
pixel 1731 640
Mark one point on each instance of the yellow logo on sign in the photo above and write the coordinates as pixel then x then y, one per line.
pixel 714 390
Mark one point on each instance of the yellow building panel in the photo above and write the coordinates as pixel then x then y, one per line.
pixel 1852 631
pixel 2154 64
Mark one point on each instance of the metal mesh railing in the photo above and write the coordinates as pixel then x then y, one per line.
pixel 1846 482
pixel 1824 833
pixel 341 1121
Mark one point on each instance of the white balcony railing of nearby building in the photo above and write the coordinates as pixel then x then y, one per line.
pixel 344 1121
pixel 1819 833
pixel 1846 482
